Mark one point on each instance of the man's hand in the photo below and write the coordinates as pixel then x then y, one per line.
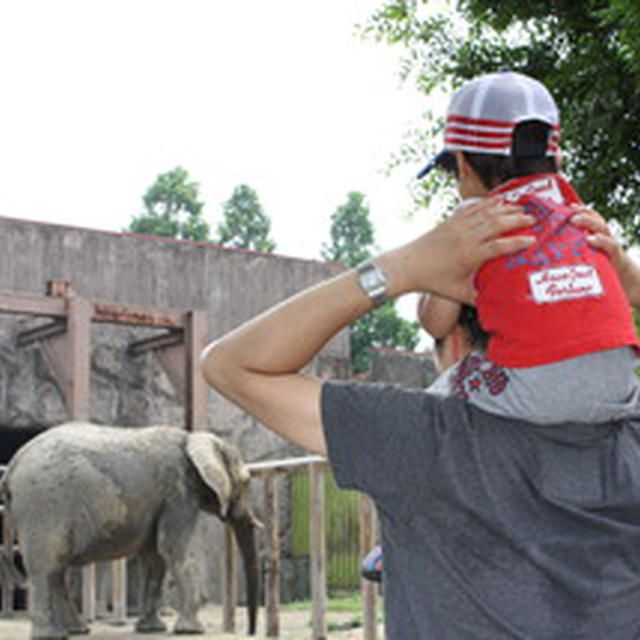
pixel 444 260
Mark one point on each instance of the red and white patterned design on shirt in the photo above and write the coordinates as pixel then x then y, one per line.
pixel 475 374
pixel 559 298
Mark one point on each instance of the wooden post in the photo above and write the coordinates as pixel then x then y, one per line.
pixel 196 392
pixel 230 592
pixel 318 548
pixel 119 590
pixel 272 530
pixel 68 355
pixel 103 588
pixel 367 542
pixel 79 312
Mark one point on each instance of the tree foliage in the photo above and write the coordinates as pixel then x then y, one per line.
pixel 352 242
pixel 587 53
pixel 172 209
pixel 245 224
pixel 382 327
pixel 351 232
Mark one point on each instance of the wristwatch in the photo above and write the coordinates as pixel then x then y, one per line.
pixel 373 282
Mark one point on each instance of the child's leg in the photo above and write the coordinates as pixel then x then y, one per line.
pixel 596 387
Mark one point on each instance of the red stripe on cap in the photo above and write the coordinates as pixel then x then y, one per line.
pixel 483 145
pixel 488 123
pixel 480 122
pixel 478 133
pixel 478 144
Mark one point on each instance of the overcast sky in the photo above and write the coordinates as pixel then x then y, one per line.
pixel 100 97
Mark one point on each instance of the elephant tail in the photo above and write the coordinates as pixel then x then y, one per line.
pixel 10 572
pixel 4 488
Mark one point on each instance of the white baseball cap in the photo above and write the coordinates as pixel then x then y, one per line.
pixel 484 112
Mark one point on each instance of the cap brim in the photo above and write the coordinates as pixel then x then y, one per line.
pixel 435 162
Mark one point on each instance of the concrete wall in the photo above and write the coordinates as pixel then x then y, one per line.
pixel 231 286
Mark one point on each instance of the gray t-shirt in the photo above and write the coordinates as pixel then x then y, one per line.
pixel 493 528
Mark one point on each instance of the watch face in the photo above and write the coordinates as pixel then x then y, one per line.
pixel 374 283
pixel 371 279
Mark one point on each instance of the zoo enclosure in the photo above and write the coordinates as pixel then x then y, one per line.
pixel 65 339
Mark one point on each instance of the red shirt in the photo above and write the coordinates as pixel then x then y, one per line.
pixel 556 299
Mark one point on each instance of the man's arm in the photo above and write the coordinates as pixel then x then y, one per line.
pixel 256 365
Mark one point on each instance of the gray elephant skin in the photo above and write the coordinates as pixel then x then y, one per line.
pixel 81 493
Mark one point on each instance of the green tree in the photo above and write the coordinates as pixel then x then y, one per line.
pixel 351 232
pixel 172 209
pixel 587 53
pixel 245 224
pixel 352 241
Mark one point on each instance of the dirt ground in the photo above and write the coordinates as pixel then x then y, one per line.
pixel 294 625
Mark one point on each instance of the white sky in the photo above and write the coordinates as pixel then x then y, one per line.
pixel 99 97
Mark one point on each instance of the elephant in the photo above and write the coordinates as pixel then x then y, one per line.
pixel 81 493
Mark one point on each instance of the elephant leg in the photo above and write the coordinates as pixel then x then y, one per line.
pixel 152 575
pixel 72 620
pixel 48 612
pixel 52 613
pixel 173 542
pixel 186 576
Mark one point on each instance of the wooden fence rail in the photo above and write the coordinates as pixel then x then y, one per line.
pixel 270 471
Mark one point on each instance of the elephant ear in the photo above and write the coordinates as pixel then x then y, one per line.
pixel 204 451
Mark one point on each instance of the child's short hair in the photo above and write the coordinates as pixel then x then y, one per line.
pixel 528 156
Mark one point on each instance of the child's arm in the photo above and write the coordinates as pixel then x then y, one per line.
pixel 438 316
pixel 601 238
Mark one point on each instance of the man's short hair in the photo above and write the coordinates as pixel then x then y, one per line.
pixel 468 319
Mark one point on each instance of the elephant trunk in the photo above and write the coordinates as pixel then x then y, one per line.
pixel 245 535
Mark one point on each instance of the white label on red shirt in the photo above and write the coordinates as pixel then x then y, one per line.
pixel 546 187
pixel 565 283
